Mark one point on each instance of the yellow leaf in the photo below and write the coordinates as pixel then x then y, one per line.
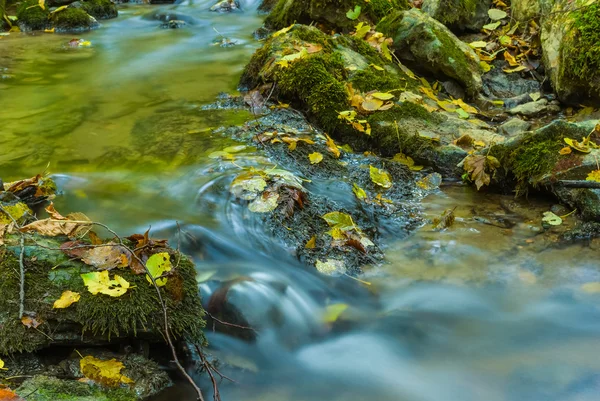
pixel 315 157
pixel 378 68
pixel 382 96
pixel 359 192
pixel 407 161
pixel 285 60
pixel 312 243
pixel 565 151
pixel 361 30
pixel 332 147
pixel 67 299
pixel 594 176
pixel 480 44
pixel 158 264
pixel 2 365
pixel 264 203
pixel 49 30
pixel 485 66
pixel 331 267
pixel 372 104
pixel 42 4
pixel 99 282
pixel 58 10
pixel 468 108
pixel 580 146
pixel 591 288
pixel 380 177
pixel 282 31
pixel 517 69
pixel 333 312
pixel 106 373
pixel 339 220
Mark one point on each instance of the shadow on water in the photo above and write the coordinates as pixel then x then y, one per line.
pixel 480 312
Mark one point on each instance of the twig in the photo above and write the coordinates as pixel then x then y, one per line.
pixel 207 367
pixel 230 324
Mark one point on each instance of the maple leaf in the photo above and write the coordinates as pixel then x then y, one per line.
pixel 479 167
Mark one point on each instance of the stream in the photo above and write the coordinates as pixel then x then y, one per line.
pixel 480 312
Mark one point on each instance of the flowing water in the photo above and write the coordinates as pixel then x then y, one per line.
pixel 484 311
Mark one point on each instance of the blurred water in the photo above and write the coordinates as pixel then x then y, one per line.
pixel 478 312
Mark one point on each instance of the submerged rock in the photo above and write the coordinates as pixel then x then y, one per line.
pixel 458 15
pixel 428 44
pixel 570 37
pixel 226 6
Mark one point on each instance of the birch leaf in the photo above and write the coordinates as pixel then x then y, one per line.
pixel 157 265
pixel 99 282
pixel 67 299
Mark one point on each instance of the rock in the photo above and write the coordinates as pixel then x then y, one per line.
pixel 537 108
pixel 73 20
pixel 499 84
pixel 226 6
pixel 433 47
pixel 31 17
pixel 514 127
pixel 570 52
pixel 585 200
pixel 527 10
pixel 267 5
pixel 459 15
pixel 330 13
pixel 173 24
pixel 166 16
pixel 100 9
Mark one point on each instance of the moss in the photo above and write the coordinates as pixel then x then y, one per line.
pixel 72 19
pixel 371 79
pixel 582 52
pixel 32 16
pixel 17 211
pixel 43 388
pixel 453 12
pixel 100 9
pixel 138 312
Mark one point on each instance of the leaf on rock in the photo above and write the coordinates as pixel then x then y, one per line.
pixel 354 14
pixel 340 221
pixel 496 14
pixel 492 26
pixel 74 225
pixel 382 95
pixel 312 243
pixel 247 185
pixel 315 158
pixel 283 31
pixel 332 147
pixel 479 167
pixel 331 267
pixel 361 30
pixel 264 203
pixel 67 299
pixel 7 394
pixel 407 161
pixel 2 365
pixel 594 176
pixel 565 151
pixel 380 177
pixel 106 373
pixel 359 192
pixel 53 213
pixel 157 265
pixel 30 322
pixel 106 257
pixel 99 282
pixel 430 181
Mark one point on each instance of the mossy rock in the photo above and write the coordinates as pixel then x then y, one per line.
pixel 459 15
pixel 73 20
pixel 331 13
pixel 45 388
pixel 433 47
pixel 31 17
pixel 95 319
pixel 570 37
pixel 100 9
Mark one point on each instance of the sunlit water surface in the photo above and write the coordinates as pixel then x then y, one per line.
pixel 478 312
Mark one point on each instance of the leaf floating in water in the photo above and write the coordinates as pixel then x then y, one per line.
pixel 247 185
pixel 315 158
pixel 380 177
pixel 264 203
pixel 446 220
pixel 234 149
pixel 67 299
pixel 333 312
pixel 552 219
pixel 106 373
pixel 430 181
pixel 221 154
pixel 99 282
pixel 157 265
pixel 591 288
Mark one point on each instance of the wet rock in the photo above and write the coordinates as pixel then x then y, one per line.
pixel 73 20
pixel 173 24
pixel 429 44
pixel 459 15
pixel 267 5
pixel 31 17
pixel 514 127
pixel 532 109
pixel 226 6
pixel 166 16
pixel 570 34
pixel 100 9
pixel 585 200
pixel 499 84
pixel 330 13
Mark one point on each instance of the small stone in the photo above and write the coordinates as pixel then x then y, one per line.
pixel 530 109
pixel 514 126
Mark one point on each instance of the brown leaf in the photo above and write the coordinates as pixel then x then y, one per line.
pixel 30 322
pixel 75 225
pixel 20 185
pixel 355 243
pixel 95 240
pixel 53 213
pixel 106 257
pixel 255 100
pixel 446 220
pixel 479 167
pixel 7 394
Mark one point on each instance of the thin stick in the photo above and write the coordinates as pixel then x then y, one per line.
pixel 230 324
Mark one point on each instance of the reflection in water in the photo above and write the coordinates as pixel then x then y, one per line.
pixel 489 310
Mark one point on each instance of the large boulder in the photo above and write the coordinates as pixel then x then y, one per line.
pixel 570 37
pixel 427 43
pixel 331 13
pixel 459 15
pixel 100 9
pixel 32 17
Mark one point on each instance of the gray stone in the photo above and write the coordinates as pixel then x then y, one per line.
pixel 514 127
pixel 530 109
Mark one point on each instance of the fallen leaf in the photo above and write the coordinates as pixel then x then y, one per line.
pixel 247 185
pixel 106 373
pixel 73 225
pixel 361 30
pixel 591 288
pixel 282 31
pixel 157 265
pixel 552 219
pixel 106 257
pixel 99 282
pixel 535 96
pixel 312 243
pixel 333 312
pixel 446 220
pixel 339 220
pixel 565 151
pixel 315 158
pixel 480 44
pixel 359 192
pixel 331 267
pixel 382 96
pixel 354 14
pixel 492 26
pixel 332 147
pixel 30 322
pixel 2 365
pixel 496 14
pixel 479 167
pixel 7 394
pixel 407 161
pixel 380 177
pixel 264 203
pixel 67 299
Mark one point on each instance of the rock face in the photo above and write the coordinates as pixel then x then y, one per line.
pixel 458 15
pixel 432 46
pixel 570 37
pixel 331 13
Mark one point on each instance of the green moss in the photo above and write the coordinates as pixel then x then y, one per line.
pixel 32 16
pixel 71 19
pixel 100 9
pixel 49 273
pixel 582 52
pixel 43 388
pixel 371 79
pixel 378 9
pixel 452 12
pixel 16 211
